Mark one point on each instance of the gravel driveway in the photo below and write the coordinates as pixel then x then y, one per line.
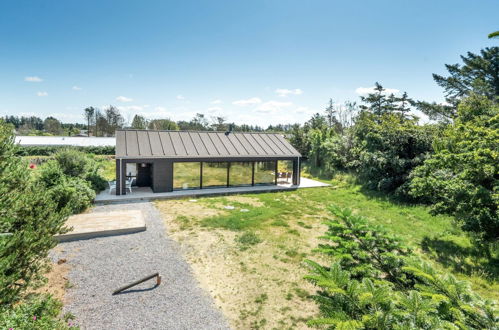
pixel 101 265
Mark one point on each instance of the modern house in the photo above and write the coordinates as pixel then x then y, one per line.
pixel 176 160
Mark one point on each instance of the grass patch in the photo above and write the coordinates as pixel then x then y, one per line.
pixel 248 238
pixel 291 223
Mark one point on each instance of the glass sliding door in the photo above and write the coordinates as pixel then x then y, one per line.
pixel 265 172
pixel 285 171
pixel 214 174
pixel 186 175
pixel 240 173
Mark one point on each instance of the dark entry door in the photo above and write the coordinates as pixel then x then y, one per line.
pixel 144 172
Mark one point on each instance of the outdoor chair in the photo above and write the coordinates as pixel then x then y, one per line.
pixel 128 184
pixel 112 185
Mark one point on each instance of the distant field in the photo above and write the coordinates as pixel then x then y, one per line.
pixel 251 262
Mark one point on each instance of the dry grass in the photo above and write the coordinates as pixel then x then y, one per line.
pixel 257 284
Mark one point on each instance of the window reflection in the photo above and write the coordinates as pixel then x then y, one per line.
pixel 186 175
pixel 240 173
pixel 214 174
pixel 265 172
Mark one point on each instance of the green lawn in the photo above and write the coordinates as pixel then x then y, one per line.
pixel 436 238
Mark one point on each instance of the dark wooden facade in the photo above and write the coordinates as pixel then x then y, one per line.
pixel 159 150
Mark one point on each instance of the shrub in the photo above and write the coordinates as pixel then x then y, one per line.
pixel 72 193
pixel 30 216
pixel 73 163
pixel 50 150
pixel 387 148
pixel 96 181
pixel 40 312
pixel 462 177
pixel 375 283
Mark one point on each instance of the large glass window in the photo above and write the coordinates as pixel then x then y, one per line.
pixel 240 173
pixel 214 174
pixel 265 172
pixel 284 171
pixel 186 175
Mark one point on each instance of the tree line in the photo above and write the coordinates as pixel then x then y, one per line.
pixel 451 163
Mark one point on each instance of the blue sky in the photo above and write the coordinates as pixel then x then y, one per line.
pixel 255 62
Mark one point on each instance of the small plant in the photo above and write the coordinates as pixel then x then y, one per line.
pixel 248 238
pixel 38 312
pixel 261 298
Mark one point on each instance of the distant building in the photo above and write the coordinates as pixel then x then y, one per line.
pixel 76 141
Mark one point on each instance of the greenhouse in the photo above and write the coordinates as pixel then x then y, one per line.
pixel 179 160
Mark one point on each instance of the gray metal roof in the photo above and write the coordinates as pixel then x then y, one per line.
pixel 201 144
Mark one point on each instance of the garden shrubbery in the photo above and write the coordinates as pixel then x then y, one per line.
pixel 40 312
pixel 374 282
pixel 50 150
pixel 462 176
pixel 34 204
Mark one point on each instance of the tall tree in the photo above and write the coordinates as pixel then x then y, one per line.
pixel 139 122
pixel 330 111
pixel 479 74
pixel 380 103
pixel 89 115
pixel 52 125
pixel 163 124
pixel 100 123
pixel 114 120
pixel 219 124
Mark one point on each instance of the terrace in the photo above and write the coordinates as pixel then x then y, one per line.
pixel 146 193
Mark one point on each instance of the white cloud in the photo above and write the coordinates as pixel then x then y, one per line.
pixel 370 90
pixel 132 108
pixel 76 88
pixel 216 101
pixel 33 79
pixel 273 106
pixel 250 101
pixel 283 92
pixel 124 99
pixel 180 97
pixel 42 94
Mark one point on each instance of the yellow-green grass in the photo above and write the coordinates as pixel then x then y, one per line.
pixel 435 238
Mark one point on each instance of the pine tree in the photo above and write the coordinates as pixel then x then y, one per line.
pixel 28 221
pixel 374 282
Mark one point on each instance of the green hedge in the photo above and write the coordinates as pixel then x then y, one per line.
pixel 47 151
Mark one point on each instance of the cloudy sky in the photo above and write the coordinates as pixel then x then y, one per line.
pixel 255 62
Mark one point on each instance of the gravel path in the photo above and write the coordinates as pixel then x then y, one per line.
pixel 101 265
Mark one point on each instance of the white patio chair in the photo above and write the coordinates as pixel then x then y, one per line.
pixel 112 185
pixel 128 185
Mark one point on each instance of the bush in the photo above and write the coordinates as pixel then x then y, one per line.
pixel 462 177
pixel 387 148
pixel 376 283
pixel 72 193
pixel 73 163
pixel 40 312
pixel 50 150
pixel 31 217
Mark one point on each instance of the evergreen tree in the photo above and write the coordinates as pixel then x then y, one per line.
pixel 29 219
pixel 479 74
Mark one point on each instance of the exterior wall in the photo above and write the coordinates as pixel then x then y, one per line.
pixel 162 175
pixel 162 170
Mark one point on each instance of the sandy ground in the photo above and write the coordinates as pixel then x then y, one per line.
pixel 260 287
pixel 57 280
